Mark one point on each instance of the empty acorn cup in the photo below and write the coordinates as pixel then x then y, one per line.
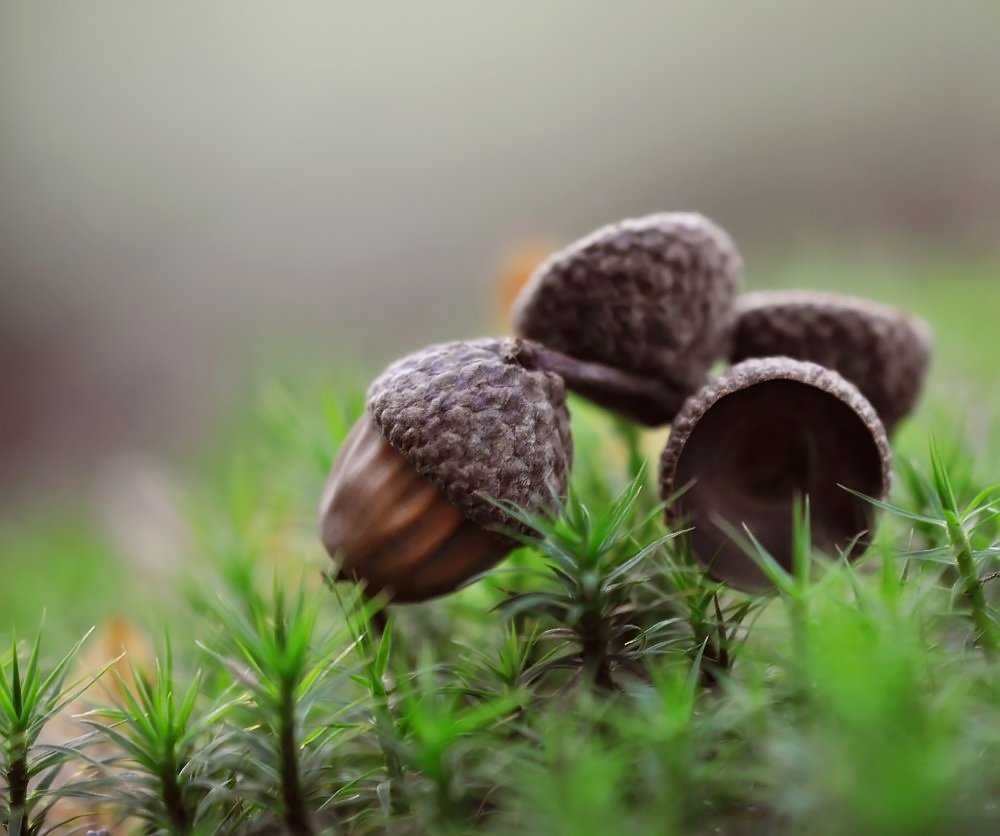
pixel 882 350
pixel 756 438
pixel 408 508
pixel 636 312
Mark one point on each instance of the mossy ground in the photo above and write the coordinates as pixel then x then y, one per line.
pixel 623 694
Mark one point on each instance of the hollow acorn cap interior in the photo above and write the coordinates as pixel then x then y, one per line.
pixel 653 296
pixel 882 350
pixel 754 439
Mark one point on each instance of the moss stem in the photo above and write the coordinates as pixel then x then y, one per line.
pixel 594 652
pixel 173 799
pixel 17 787
pixel 296 815
pixel 972 587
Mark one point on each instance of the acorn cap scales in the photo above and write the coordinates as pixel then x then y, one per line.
pixel 650 297
pixel 882 350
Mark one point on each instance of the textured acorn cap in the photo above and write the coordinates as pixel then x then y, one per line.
pixel 882 350
pixel 652 296
pixel 478 425
pixel 760 435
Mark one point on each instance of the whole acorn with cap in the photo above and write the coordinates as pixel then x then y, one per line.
pixel 410 507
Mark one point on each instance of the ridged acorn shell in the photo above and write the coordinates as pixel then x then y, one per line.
pixel 883 351
pixel 875 456
pixel 392 530
pixel 478 425
pixel 651 295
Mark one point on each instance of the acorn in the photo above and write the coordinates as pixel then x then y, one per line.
pixel 409 507
pixel 756 438
pixel 882 350
pixel 644 307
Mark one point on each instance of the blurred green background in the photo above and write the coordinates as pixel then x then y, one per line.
pixel 195 198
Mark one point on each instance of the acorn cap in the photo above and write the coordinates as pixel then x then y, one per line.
pixel 760 435
pixel 882 350
pixel 650 296
pixel 479 425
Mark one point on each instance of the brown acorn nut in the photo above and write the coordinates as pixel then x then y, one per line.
pixel 407 508
pixel 882 350
pixel 643 307
pixel 754 439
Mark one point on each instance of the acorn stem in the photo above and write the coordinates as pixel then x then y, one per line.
pixel 379 621
pixel 631 437
pixel 642 398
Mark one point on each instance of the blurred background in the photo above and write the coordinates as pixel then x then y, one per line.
pixel 195 194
